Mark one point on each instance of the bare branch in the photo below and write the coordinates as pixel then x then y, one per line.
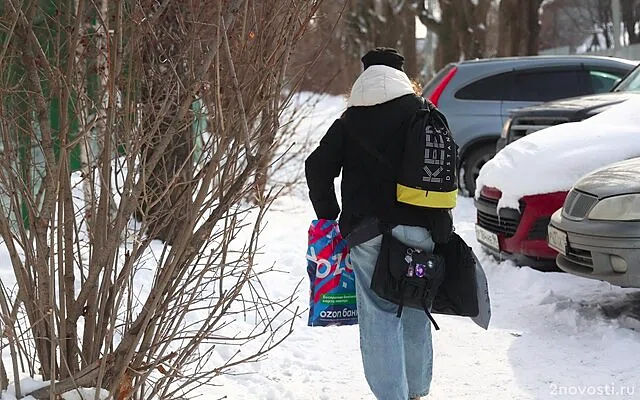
pixel 177 111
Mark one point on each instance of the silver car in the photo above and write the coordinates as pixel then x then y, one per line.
pixel 477 96
pixel 597 232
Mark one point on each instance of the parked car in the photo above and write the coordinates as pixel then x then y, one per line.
pixel 527 120
pixel 477 96
pixel 597 231
pixel 517 234
pixel 526 182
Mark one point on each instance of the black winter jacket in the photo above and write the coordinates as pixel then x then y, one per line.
pixel 368 185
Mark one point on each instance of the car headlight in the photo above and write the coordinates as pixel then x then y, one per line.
pixel 617 208
pixel 505 128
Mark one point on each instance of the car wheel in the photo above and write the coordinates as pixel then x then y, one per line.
pixel 472 164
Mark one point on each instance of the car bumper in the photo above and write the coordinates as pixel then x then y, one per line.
pixel 500 144
pixel 536 262
pixel 594 251
pixel 527 244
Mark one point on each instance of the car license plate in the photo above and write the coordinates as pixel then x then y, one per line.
pixel 557 239
pixel 487 238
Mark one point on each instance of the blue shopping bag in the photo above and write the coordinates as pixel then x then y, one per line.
pixel 332 296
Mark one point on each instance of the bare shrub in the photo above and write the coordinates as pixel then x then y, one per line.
pixel 100 159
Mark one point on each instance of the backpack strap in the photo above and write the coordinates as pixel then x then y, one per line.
pixel 366 230
pixel 385 227
pixel 426 104
pixel 433 321
pixel 433 111
pixel 424 306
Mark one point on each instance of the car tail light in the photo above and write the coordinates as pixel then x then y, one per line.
pixel 437 92
pixel 491 193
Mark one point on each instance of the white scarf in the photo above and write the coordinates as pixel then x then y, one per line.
pixel 379 84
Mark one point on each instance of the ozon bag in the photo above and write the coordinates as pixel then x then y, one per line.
pixel 332 296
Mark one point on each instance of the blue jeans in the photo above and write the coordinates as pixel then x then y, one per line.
pixel 397 353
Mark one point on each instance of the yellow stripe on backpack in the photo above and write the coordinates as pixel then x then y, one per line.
pixel 422 198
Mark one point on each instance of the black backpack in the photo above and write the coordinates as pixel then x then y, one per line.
pixel 428 173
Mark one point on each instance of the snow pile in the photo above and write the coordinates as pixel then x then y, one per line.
pixel 553 159
pixel 29 385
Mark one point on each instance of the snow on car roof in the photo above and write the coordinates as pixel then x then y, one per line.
pixel 553 159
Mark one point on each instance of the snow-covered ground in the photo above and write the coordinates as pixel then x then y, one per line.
pixel 548 334
pixel 552 335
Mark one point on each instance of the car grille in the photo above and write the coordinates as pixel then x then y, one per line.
pixel 580 257
pixel 578 204
pixel 539 229
pixel 522 126
pixel 489 219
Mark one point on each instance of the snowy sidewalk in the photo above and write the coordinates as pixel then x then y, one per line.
pixel 547 338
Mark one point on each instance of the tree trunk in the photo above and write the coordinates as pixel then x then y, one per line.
pixel 461 30
pixel 519 28
pixel 448 48
pixel 165 211
pixel 630 18
pixel 473 28
pixel 409 43
pixel 389 27
pixel 373 23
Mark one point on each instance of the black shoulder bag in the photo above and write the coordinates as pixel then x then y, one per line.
pixel 407 276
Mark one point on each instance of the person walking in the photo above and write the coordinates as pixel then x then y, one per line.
pixel 397 353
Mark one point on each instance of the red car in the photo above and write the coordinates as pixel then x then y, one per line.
pixel 518 234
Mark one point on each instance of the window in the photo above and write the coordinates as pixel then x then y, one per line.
pixel 546 85
pixel 491 88
pixel 433 83
pixel 602 82
pixel 631 83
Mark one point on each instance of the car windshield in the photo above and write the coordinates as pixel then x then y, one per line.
pixel 631 83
